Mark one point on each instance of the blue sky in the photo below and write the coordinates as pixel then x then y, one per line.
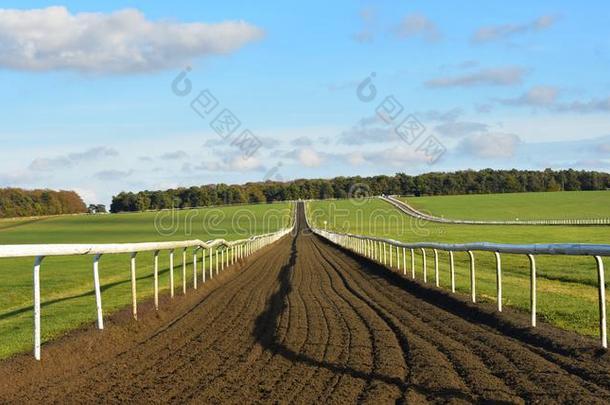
pixel 88 101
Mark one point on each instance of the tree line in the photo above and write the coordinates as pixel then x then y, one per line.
pixel 437 183
pixel 16 202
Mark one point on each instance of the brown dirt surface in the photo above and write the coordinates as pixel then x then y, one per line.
pixel 308 322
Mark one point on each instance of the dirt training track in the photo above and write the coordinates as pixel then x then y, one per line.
pixel 304 321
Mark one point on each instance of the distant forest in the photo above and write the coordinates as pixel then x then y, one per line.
pixel 15 202
pixel 461 182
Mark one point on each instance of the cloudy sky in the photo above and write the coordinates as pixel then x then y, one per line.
pixel 109 96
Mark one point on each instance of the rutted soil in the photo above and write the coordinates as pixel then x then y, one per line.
pixel 304 321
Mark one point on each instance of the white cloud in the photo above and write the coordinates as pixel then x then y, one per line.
pixel 179 154
pixel 443 116
pixel 590 106
pixel 356 158
pixel 555 127
pixel 49 164
pixel 398 156
pixel 67 161
pixel 537 96
pixel 112 175
pixel 503 76
pixel 450 124
pixel 229 164
pixel 309 158
pixel 368 130
pixel 88 195
pixel 497 32
pixel 418 25
pixel 243 164
pixel 123 41
pixel 547 97
pixel 301 141
pixel 460 128
pixel 490 145
pixel 19 178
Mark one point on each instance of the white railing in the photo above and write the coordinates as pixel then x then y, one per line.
pixel 409 210
pixel 377 249
pixel 220 253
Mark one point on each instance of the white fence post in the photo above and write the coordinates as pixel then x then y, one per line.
pixel 98 291
pixel 203 265
pixel 436 280
pixel 156 271
pixel 397 258
pixel 602 301
pixel 413 264
pixel 210 263
pixel 499 280
pixel 36 277
pixel 473 289
pixel 533 287
pixel 216 261
pixel 424 265
pixel 134 301
pixel 452 270
pixel 184 271
pixel 195 268
pixel 171 273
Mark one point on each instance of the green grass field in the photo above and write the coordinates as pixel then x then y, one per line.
pixel 67 284
pixel 567 293
pixel 510 206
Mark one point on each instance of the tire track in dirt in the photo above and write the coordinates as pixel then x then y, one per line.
pixel 306 321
